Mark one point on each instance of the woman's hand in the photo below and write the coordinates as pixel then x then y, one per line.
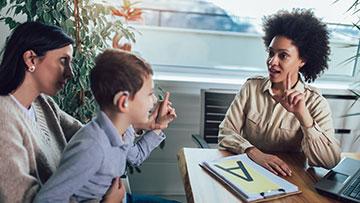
pixel 268 161
pixel 294 101
pixel 116 192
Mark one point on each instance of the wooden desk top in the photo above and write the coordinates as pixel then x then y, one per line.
pixel 200 187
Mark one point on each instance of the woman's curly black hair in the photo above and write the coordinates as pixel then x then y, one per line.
pixel 308 34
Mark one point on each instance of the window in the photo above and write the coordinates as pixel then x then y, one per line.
pixel 224 36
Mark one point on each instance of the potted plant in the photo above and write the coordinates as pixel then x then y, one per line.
pixel 355 87
pixel 93 27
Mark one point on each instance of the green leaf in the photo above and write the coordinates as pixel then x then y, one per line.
pixel 68 11
pixel 82 83
pixel 56 16
pixel 18 10
pixel 84 72
pixel 69 23
pixel 11 23
pixel 47 18
pixel 59 6
pixel 28 5
pixel 2 4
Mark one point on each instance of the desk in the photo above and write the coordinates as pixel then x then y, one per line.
pixel 200 187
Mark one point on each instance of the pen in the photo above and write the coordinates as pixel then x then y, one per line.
pixel 271 193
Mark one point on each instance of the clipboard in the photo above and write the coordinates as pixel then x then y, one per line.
pixel 248 180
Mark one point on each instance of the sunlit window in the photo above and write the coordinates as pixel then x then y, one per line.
pixel 225 35
pixel 243 16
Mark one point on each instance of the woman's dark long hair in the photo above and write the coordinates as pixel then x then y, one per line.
pixel 34 36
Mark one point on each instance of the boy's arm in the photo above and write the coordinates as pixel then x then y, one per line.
pixel 140 150
pixel 81 159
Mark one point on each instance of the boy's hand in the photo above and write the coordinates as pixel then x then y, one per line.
pixel 165 113
pixel 162 115
pixel 115 193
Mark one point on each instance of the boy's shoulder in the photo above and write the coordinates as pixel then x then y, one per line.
pixel 91 133
pixel 86 142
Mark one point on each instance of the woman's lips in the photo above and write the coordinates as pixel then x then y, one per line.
pixel 273 72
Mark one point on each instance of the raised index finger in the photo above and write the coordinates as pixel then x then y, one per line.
pixel 288 82
pixel 164 103
pixel 166 97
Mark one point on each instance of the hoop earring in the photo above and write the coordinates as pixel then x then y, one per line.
pixel 31 69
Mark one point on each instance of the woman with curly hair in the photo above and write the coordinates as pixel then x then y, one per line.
pixel 281 112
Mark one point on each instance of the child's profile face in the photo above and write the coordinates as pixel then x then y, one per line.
pixel 143 102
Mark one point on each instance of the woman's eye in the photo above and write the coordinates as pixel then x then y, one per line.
pixel 283 56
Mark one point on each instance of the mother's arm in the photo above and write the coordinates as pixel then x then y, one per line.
pixel 19 181
pixel 69 124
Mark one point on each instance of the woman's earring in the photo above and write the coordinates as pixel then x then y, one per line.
pixel 31 69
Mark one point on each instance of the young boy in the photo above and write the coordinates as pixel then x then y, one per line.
pixel 123 87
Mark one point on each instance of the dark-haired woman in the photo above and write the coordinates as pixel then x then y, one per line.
pixel 281 112
pixel 33 130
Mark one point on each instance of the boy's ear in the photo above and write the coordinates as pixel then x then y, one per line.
pixel 123 103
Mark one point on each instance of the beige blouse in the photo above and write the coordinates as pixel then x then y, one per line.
pixel 255 119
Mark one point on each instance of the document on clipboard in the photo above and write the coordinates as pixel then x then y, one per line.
pixel 250 181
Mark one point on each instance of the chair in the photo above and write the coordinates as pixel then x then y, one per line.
pixel 214 104
pixel 347 129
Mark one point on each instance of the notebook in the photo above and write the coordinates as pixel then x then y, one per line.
pixel 248 180
pixel 343 181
